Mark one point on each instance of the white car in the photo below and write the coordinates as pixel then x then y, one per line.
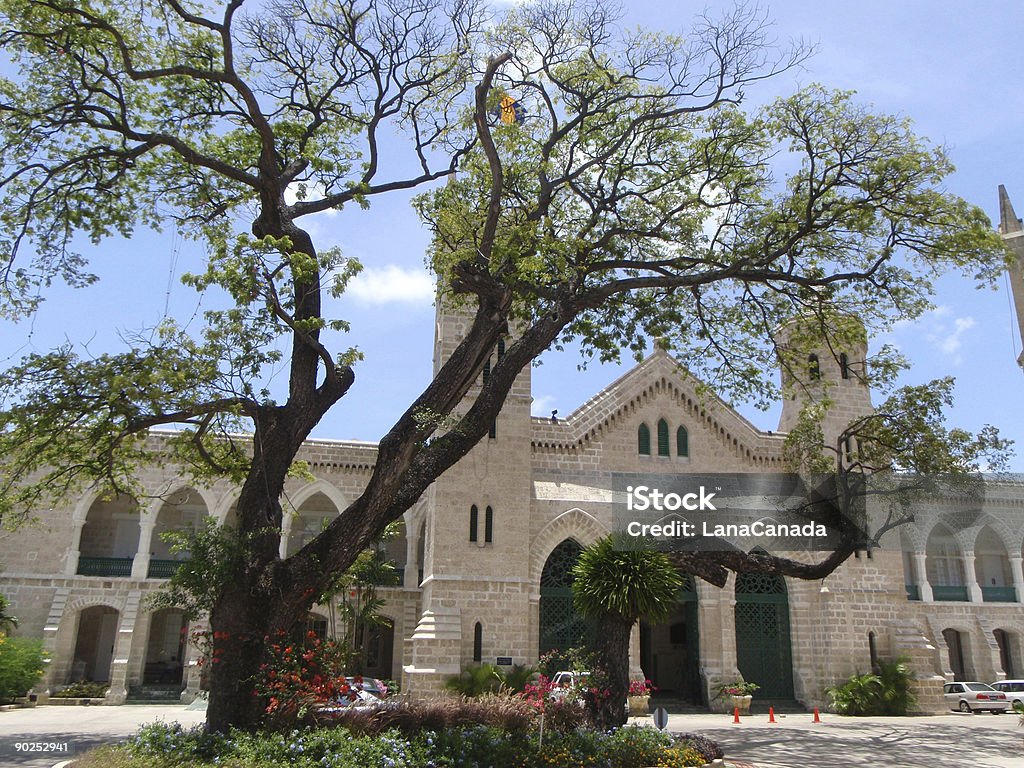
pixel 975 697
pixel 1014 690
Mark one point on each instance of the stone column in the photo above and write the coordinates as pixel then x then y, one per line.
pixel 140 565
pixel 412 561
pixel 971 579
pixel 1018 576
pixel 921 576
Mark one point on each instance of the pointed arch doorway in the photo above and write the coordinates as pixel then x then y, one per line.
pixel 561 626
pixel 670 651
pixel 763 652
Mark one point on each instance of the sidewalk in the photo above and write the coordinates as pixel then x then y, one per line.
pixel 940 741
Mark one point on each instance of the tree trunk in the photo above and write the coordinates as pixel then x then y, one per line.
pixel 614 651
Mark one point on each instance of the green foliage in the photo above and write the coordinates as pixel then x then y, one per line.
pixel 21 666
pixel 164 746
pixel 886 692
pixel 481 679
pixel 906 433
pixel 475 680
pixel 83 689
pixel 8 622
pixel 615 578
pixel 860 695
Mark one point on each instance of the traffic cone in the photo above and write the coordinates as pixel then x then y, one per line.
pixel 816 718
pixel 735 715
pixel 771 714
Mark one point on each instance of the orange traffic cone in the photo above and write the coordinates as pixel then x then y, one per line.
pixel 816 718
pixel 735 715
pixel 771 714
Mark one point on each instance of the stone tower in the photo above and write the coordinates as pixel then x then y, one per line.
pixel 476 565
pixel 1012 230
pixel 813 370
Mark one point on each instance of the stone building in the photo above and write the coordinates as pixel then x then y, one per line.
pixel 484 558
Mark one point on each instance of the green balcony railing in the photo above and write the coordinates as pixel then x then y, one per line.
pixel 105 566
pixel 913 592
pixel 163 569
pixel 999 594
pixel 950 594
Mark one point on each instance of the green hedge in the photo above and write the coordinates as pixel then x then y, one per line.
pixel 169 746
pixel 21 666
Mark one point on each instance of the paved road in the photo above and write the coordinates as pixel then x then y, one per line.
pixel 941 741
pixel 944 741
pixel 82 727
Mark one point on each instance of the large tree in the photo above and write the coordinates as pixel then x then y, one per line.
pixel 625 195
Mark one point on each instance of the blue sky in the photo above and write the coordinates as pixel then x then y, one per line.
pixel 954 68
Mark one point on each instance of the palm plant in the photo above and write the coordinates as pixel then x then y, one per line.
pixel 615 584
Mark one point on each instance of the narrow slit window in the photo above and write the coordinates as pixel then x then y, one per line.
pixel 478 642
pixel 643 440
pixel 813 367
pixel 682 442
pixel 487 370
pixel 662 437
pixel 489 525
pixel 474 519
pixel 844 365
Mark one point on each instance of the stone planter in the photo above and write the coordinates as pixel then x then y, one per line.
pixel 742 703
pixel 638 705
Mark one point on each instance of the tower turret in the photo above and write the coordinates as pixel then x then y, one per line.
pixel 818 366
pixel 1012 230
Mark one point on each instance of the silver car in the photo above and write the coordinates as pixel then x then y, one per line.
pixel 1014 690
pixel 975 697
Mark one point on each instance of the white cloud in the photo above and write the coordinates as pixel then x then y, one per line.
pixel 952 341
pixel 541 406
pixel 941 329
pixel 392 285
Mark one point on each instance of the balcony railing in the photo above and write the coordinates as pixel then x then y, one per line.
pixel 163 569
pixel 913 592
pixel 950 594
pixel 999 594
pixel 105 566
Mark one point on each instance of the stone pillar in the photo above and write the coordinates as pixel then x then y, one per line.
pixel 286 533
pixel 921 576
pixel 412 561
pixel 118 691
pixel 190 660
pixel 140 565
pixel 1018 576
pixel 971 579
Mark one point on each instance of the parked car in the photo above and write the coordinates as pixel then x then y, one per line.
pixel 1014 690
pixel 975 697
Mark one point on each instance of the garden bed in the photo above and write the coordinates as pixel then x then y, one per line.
pixel 170 746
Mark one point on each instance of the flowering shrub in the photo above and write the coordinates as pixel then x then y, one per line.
pixel 641 687
pixel 169 746
pixel 737 688
pixel 302 676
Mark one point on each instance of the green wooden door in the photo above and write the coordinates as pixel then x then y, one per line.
pixel 561 627
pixel 763 651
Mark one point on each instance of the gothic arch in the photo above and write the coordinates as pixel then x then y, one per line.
pixel 308 491
pixel 571 524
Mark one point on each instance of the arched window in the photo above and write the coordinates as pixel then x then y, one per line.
pixel 662 437
pixel 492 433
pixel 501 349
pixel 643 440
pixel 813 367
pixel 682 442
pixel 488 525
pixel 474 519
pixel 844 365
pixel 478 642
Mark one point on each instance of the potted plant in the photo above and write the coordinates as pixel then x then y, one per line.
pixel 740 693
pixel 639 697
